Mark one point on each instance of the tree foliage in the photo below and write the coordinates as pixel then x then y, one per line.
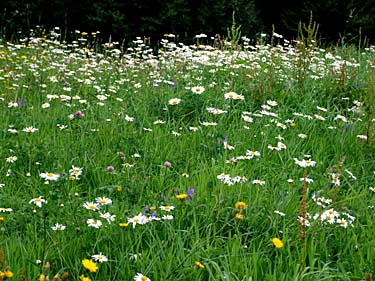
pixel 340 21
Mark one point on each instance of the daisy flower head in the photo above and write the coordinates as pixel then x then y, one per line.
pixel 304 163
pixel 233 96
pixel 75 172
pixel 362 137
pixel 30 129
pixel 91 206
pixel 303 221
pixel 174 101
pixel 49 176
pixel 128 118
pixel 101 97
pixel 45 105
pixel 197 90
pixel 167 217
pixel 271 103
pixel 103 201
pixel 167 208
pixel 141 277
pixel 158 122
pixel 100 258
pixel 342 222
pixel 58 227
pixel 94 223
pixel 11 159
pixel 38 201
pixel 247 119
pixel 138 219
pixel 108 217
pixel 270 147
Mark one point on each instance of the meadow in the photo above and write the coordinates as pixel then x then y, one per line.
pixel 222 160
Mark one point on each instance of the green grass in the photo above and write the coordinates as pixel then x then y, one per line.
pixel 95 111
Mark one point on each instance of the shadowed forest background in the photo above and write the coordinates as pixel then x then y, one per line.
pixel 344 21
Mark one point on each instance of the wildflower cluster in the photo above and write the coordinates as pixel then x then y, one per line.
pixel 99 204
pixel 228 180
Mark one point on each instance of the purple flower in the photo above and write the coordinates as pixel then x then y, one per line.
pixel 190 193
pixel 167 164
pixel 110 168
pixel 79 113
pixel 21 102
pixel 146 208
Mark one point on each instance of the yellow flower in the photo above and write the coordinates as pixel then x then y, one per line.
pixel 292 125
pixel 277 242
pixel 1 218
pixel 42 277
pixel 181 197
pixel 8 274
pixel 239 216
pixel 119 188
pixel 90 265
pixel 240 206
pixel 84 278
pixel 123 224
pixel 199 265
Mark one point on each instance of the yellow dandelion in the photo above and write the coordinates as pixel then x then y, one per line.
pixel 84 278
pixel 239 216
pixel 277 242
pixel 123 224
pixel 8 274
pixel 199 265
pixel 90 265
pixel 240 206
pixel 181 197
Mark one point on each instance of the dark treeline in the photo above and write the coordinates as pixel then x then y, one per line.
pixel 340 21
